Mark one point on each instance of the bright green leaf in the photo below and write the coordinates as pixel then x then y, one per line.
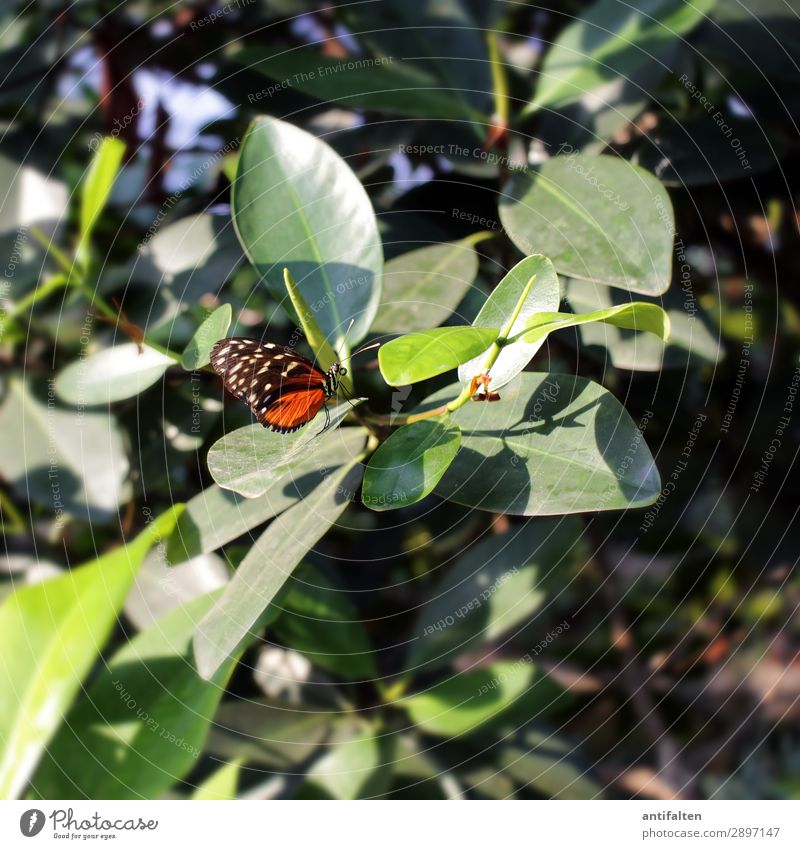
pixel 214 327
pixel 112 374
pixel 220 785
pixel 409 464
pixel 418 356
pixel 534 282
pixel 147 714
pixel 690 338
pixel 97 184
pixel 51 634
pixel 632 316
pixel 597 218
pixel 268 564
pixel 466 701
pixel 297 204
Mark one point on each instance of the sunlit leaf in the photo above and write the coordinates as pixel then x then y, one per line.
pixel 147 713
pixel 418 356
pixel 297 204
pixel 112 374
pixel 51 634
pixel 533 280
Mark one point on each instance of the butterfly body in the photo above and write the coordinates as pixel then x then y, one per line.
pixel 282 388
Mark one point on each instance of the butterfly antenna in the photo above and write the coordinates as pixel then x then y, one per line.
pixel 366 348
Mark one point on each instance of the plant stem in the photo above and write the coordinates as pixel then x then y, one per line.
pixel 58 281
pixel 8 509
pixel 499 81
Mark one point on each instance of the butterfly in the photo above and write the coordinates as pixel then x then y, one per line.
pixel 283 389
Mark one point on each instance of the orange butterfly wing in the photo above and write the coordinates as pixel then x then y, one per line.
pixel 293 409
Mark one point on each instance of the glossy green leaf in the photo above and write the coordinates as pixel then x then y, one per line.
pixel 418 356
pixel 97 184
pixel 220 785
pixel 612 40
pixel 147 713
pixel 390 86
pixel 51 634
pixel 297 204
pixel 216 516
pixel 318 620
pixel 268 564
pixel 554 444
pixel 214 327
pixel 408 465
pixel 324 354
pixel 496 586
pixel 464 702
pixel 251 459
pixel 67 460
pixel 597 218
pixel 112 374
pixel 690 338
pixel 535 282
pixel 635 315
pixel 422 288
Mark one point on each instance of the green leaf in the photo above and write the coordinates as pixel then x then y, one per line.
pixel 324 354
pixel 613 40
pixel 297 204
pixel 541 760
pixel 690 338
pixel 597 218
pixel 440 38
pixel 554 444
pixel 112 374
pixel 96 186
pixel 356 764
pixel 51 633
pixel 251 459
pixel 422 288
pixel 271 734
pixel 495 587
pixel 319 621
pixel 385 85
pixel 632 316
pixel 418 356
pixel 268 564
pixel 459 705
pixel 147 713
pixel 409 464
pixel 216 516
pixel 214 327
pixel 220 785
pixel 542 295
pixel 67 460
